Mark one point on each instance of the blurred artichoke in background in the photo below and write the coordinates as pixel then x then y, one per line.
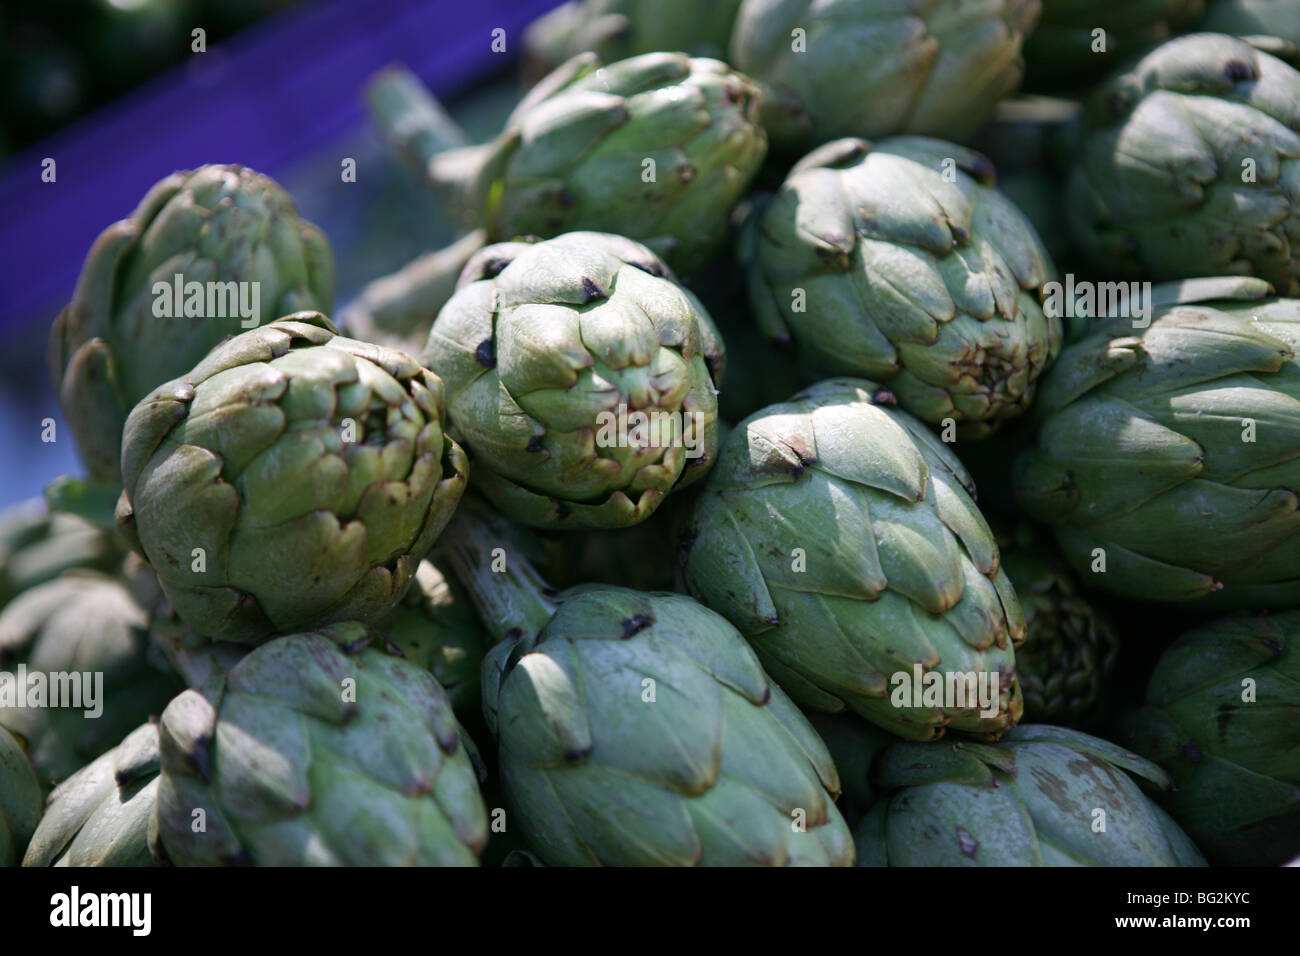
pixel 110 347
pixel 1168 457
pixel 877 67
pixel 658 148
pixel 840 537
pixel 103 815
pixel 37 546
pixel 616 29
pixel 305 755
pixel 1190 166
pixel 20 800
pixel 638 729
pixel 1041 796
pixel 1070 647
pixel 82 642
pixel 1062 50
pixel 1223 717
pixel 435 627
pixel 293 478
pixel 546 348
pixel 900 263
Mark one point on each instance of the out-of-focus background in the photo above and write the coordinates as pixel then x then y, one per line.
pixel 114 93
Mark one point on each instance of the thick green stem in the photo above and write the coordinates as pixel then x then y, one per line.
pixel 488 556
pixel 413 122
pixel 398 310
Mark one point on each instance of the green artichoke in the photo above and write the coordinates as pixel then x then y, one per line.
pixel 1168 457
pixel 1042 796
pixel 307 755
pixel 549 350
pixel 1190 166
pixel 103 815
pixel 879 67
pixel 293 478
pixel 1063 51
pixel 890 262
pixel 638 728
pixel 1070 647
pixel 218 224
pixel 435 627
pixel 80 672
pixel 840 537
pixel 658 148
pixel 1222 713
pixel 20 800
pixel 616 29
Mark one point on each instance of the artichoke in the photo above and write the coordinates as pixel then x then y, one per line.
pixel 1063 49
pixel 80 642
pixel 1042 796
pixel 1222 716
pixel 103 815
pixel 20 800
pixel 1070 647
pixel 879 67
pixel 435 627
pixel 615 29
pixel 293 478
pixel 875 261
pixel 658 148
pixel 638 728
pixel 304 754
pixel 840 536
pixel 1190 166
pixel 550 351
pixel 1168 457
pixel 218 224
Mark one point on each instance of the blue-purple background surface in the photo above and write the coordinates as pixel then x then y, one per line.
pixel 284 98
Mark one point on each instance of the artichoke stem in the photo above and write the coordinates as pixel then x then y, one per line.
pixel 512 598
pixel 398 309
pixel 411 120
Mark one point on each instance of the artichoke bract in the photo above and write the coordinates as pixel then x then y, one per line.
pixel 294 478
pixel 103 815
pixel 1041 796
pixel 20 800
pixel 1168 456
pixel 840 536
pixel 899 262
pixel 658 148
pixel 80 645
pixel 638 728
pixel 580 377
pixel 878 67
pixel 1070 647
pixel 1223 717
pixel 1062 50
pixel 227 227
pixel 615 29
pixel 307 755
pixel 1190 166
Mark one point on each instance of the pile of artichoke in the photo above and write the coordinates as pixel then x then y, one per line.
pixel 641 525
